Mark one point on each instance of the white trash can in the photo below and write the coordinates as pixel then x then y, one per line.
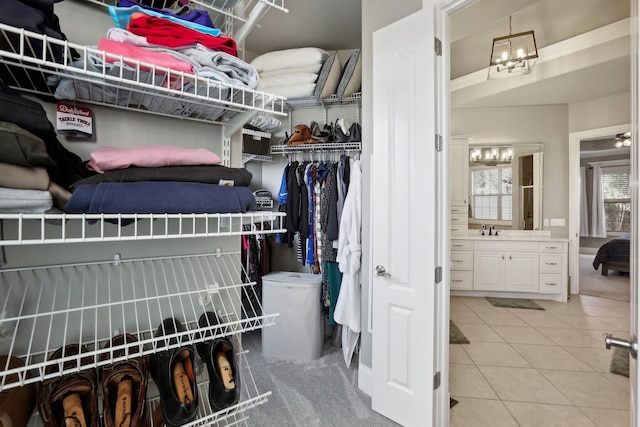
pixel 298 332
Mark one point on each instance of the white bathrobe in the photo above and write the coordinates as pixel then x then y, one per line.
pixel 347 311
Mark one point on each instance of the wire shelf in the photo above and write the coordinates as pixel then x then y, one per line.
pixel 43 65
pixel 30 229
pixel 248 157
pixel 46 308
pixel 311 148
pixel 229 14
pixel 331 101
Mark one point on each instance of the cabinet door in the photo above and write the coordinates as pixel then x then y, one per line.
pixel 459 172
pixel 522 271
pixel 488 271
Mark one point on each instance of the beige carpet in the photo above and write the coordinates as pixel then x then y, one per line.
pixel 615 286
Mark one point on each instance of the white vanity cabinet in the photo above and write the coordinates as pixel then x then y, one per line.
pixel 484 266
pixel 506 266
pixel 461 258
pixel 459 186
pixel 553 267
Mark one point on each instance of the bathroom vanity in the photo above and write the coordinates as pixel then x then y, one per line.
pixel 514 264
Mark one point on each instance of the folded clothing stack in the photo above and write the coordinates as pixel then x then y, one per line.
pixel 161 179
pixel 291 73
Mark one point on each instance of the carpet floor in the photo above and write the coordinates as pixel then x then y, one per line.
pixel 615 286
pixel 322 392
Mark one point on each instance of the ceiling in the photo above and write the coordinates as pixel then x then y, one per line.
pixel 583 45
pixel 327 24
pixel 583 48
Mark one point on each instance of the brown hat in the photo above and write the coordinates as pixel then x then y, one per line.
pixel 300 134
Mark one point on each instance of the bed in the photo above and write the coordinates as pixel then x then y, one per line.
pixel 614 255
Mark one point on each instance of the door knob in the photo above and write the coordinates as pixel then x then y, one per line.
pixel 631 345
pixel 380 271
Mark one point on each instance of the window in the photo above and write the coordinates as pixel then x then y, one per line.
pixel 617 200
pixel 491 189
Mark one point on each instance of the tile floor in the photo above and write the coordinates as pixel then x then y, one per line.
pixel 537 368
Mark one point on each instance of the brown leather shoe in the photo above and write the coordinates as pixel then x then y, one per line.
pixel 124 387
pixel 16 404
pixel 72 396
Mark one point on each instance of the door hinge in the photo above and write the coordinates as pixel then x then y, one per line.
pixel 438 46
pixel 438 142
pixel 436 380
pixel 438 274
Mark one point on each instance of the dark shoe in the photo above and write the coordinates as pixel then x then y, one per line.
pixel 16 403
pixel 173 372
pixel 220 357
pixel 78 391
pixel 128 377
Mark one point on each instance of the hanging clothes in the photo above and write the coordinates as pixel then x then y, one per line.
pixel 347 311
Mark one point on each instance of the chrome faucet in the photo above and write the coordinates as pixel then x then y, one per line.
pixel 491 230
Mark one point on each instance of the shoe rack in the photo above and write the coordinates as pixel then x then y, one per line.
pixel 47 307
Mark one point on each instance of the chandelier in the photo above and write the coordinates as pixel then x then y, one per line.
pixel 513 55
pixel 490 156
pixel 623 140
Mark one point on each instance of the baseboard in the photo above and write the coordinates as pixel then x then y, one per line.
pixel 365 379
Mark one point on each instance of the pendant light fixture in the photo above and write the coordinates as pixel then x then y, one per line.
pixel 513 55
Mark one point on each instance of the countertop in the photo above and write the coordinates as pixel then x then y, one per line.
pixel 511 235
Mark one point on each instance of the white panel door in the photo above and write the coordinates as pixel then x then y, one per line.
pixel 404 220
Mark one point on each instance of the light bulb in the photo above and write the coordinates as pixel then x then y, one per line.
pixel 505 55
pixel 520 53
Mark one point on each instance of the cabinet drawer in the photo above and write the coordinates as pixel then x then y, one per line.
pixel 461 260
pixel 505 245
pixel 458 245
pixel 464 210
pixel 459 230
pixel 552 247
pixel 462 280
pixel 458 219
pixel 550 263
pixel 551 284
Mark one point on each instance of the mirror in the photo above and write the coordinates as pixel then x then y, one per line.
pixel 505 186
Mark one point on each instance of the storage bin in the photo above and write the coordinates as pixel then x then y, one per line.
pixel 299 329
pixel 254 142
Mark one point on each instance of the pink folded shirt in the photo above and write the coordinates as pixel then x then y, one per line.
pixel 109 158
pixel 133 52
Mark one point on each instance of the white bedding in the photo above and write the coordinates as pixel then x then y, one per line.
pixel 308 69
pixel 289 58
pixel 300 90
pixel 286 79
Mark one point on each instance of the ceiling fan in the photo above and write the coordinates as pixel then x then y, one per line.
pixel 623 140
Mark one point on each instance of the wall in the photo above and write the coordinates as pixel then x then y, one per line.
pixel 600 112
pixel 522 124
